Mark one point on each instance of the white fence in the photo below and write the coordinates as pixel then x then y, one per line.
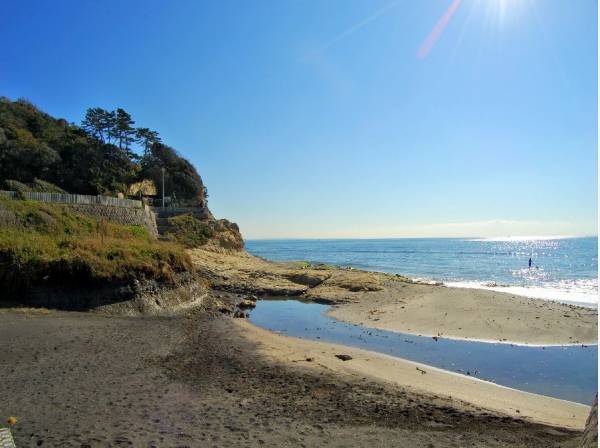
pixel 64 198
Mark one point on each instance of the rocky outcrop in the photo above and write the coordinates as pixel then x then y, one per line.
pixel 225 235
pixel 135 297
pixel 590 434
pixel 221 233
pixel 240 272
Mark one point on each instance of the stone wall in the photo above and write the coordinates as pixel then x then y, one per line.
pixel 121 215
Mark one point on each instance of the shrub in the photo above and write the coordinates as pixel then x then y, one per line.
pixel 45 187
pixel 15 185
pixel 189 231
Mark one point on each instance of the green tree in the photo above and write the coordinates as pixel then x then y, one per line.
pixel 146 138
pixel 23 157
pixel 34 145
pixel 181 178
pixel 123 130
pixel 92 122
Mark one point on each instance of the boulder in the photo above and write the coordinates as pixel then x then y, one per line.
pixel 590 433
pixel 245 304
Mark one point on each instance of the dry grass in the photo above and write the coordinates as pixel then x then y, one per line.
pixel 50 243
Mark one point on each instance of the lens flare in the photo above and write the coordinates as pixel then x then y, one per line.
pixel 437 30
pixel 494 12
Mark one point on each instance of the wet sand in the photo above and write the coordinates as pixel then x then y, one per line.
pixel 476 314
pixel 394 303
pixel 410 375
pixel 87 380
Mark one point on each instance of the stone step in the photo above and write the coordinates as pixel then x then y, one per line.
pixel 163 228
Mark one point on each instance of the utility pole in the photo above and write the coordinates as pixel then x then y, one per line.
pixel 163 187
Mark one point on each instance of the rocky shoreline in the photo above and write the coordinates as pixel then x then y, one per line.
pixel 396 303
pixel 176 368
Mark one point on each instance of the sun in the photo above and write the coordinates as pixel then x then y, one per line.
pixel 500 12
pixel 503 7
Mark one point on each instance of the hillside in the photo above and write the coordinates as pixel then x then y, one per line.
pixel 45 246
pixel 80 257
pixel 105 155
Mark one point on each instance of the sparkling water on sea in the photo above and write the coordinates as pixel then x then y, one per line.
pixel 564 269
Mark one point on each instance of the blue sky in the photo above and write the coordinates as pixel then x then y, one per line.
pixel 318 118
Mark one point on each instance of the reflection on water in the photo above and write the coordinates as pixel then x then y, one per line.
pixel 562 269
pixel 569 373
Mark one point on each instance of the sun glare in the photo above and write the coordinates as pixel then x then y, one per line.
pixel 495 14
pixel 499 10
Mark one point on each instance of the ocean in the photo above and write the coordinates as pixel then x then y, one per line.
pixel 563 269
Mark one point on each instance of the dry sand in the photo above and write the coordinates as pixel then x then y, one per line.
pixel 475 314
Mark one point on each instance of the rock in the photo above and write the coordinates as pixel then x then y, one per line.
pixel 344 357
pixel 590 433
pixel 311 279
pixel 247 304
pixel 240 314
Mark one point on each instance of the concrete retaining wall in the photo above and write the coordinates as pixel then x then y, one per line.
pixel 121 215
pixel 119 211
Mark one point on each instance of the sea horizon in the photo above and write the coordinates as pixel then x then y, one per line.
pixel 476 238
pixel 563 269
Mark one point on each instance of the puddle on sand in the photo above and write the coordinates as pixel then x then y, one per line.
pixel 569 373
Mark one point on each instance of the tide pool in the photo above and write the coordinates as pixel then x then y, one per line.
pixel 568 373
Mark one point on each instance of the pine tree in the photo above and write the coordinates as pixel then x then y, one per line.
pixel 108 121
pixel 123 130
pixel 146 138
pixel 99 123
pixel 92 123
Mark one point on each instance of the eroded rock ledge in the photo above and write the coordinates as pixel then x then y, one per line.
pixel 240 272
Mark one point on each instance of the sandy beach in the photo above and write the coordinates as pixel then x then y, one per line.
pixel 87 380
pixel 474 314
pixel 395 303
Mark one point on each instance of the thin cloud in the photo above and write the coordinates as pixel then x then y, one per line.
pixel 357 26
